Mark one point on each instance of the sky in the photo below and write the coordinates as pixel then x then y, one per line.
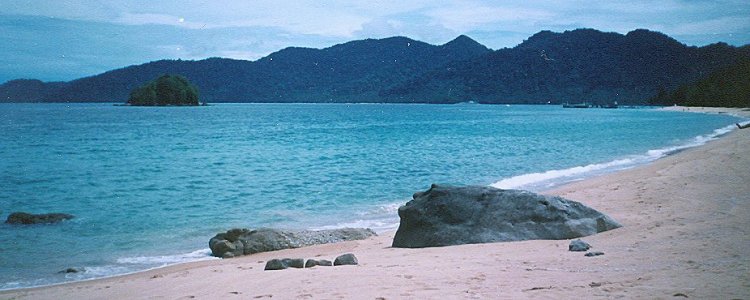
pixel 61 40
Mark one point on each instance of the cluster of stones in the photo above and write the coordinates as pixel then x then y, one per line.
pixel 299 263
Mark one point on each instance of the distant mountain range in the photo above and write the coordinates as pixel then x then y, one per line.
pixel 573 66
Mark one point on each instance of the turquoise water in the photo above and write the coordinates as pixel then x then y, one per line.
pixel 150 186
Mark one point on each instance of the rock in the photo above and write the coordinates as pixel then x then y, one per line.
pixel 680 295
pixel 311 263
pixel 70 270
pixel 298 263
pixel 275 264
pixel 578 245
pixel 28 219
pixel 245 241
pixel 345 259
pixel 594 253
pixel 445 215
pixel 281 264
pixel 226 248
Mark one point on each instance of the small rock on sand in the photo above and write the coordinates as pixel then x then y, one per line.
pixel 345 259
pixel 312 262
pixel 275 264
pixel 578 245
pixel 298 263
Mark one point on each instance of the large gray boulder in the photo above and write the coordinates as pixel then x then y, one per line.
pixel 30 219
pixel 236 242
pixel 446 215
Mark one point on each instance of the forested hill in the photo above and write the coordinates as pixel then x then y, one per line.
pixel 574 66
pixel 728 87
pixel 577 65
pixel 351 72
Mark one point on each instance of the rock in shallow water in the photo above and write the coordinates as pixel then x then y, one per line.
pixel 70 270
pixel 446 215
pixel 238 242
pixel 29 219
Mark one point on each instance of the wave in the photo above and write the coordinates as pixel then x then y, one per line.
pixel 546 180
pixel 380 218
pixel 163 260
pixel 122 266
pixel 384 218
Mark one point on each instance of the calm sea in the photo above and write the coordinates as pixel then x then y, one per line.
pixel 150 186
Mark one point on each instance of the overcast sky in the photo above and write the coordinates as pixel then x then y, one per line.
pixel 64 40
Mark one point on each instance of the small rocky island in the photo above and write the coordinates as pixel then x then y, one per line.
pixel 167 90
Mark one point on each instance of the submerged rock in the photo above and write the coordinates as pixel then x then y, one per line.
pixel 70 270
pixel 594 253
pixel 578 245
pixel 446 215
pixel 238 242
pixel 28 219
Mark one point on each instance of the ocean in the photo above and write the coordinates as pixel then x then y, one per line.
pixel 150 185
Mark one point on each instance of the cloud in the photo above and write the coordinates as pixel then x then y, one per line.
pixel 418 27
pixel 465 18
pixel 712 26
pixel 57 40
pixel 143 19
pixel 58 49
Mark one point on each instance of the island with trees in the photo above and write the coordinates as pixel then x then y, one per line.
pixel 167 90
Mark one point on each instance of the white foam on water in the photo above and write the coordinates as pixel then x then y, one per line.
pixel 381 218
pixel 122 266
pixel 545 179
pixel 197 255
pixel 549 179
pixel 376 225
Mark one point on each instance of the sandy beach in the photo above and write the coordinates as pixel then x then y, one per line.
pixel 685 234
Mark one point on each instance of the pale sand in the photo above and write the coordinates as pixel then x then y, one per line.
pixel 686 232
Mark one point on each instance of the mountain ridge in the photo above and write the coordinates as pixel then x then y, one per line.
pixel 577 65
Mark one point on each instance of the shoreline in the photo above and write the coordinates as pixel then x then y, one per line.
pixel 646 199
pixel 737 112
